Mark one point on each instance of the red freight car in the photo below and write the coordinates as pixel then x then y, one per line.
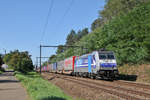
pixel 69 65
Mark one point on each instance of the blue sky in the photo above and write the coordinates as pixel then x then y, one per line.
pixel 22 23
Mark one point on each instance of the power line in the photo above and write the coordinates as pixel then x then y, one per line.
pixel 66 12
pixel 47 20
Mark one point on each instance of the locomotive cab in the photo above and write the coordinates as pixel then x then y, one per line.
pixel 107 64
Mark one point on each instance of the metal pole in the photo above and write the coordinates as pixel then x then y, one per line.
pixel 40 57
pixel 5 51
pixel 36 63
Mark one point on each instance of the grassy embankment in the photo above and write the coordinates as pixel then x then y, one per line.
pixel 40 89
pixel 1 72
pixel 138 73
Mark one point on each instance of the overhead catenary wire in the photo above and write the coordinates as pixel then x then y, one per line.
pixel 47 20
pixel 60 21
pixel 66 12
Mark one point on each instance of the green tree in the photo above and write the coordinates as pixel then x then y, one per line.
pixel 82 33
pixel 128 36
pixel 45 63
pixel 1 60
pixel 60 49
pixel 52 59
pixel 20 61
pixel 71 38
pixel 97 23
pixel 126 33
pixel 115 8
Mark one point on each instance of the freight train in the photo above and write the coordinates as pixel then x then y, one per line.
pixel 98 64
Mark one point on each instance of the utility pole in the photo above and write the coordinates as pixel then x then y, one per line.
pixel 40 57
pixel 5 51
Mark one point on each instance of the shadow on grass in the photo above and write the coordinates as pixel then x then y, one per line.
pixel 32 75
pixel 8 81
pixel 52 98
pixel 127 77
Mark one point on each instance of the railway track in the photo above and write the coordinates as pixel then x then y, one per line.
pixel 125 83
pixel 119 88
pixel 126 93
pixel 121 95
pixel 144 86
pixel 114 88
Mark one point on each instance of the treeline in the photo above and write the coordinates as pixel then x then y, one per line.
pixel 72 38
pixel 19 61
pixel 114 8
pixel 123 27
pixel 1 62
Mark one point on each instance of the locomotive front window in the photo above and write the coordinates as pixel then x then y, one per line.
pixel 106 56
pixel 110 56
pixel 102 56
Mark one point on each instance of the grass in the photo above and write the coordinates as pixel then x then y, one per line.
pixel 1 72
pixel 40 89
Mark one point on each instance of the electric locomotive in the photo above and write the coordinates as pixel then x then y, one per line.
pixel 98 64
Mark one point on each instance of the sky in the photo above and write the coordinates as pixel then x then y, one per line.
pixel 22 23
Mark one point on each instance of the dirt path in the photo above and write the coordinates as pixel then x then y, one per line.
pixel 10 88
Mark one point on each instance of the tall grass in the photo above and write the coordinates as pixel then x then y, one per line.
pixel 40 89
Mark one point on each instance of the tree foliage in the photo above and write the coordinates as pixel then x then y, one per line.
pixel 1 60
pixel 60 49
pixel 82 33
pixel 115 8
pixel 71 38
pixel 127 35
pixel 97 23
pixel 52 59
pixel 20 61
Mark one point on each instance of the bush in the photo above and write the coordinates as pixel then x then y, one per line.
pixel 19 61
